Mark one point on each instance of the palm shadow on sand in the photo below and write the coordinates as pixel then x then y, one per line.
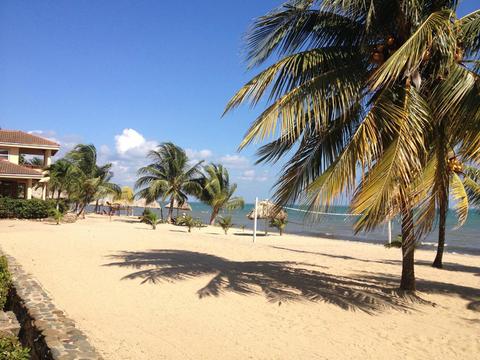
pixel 278 281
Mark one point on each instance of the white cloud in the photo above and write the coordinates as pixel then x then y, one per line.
pixel 234 161
pixel 198 154
pixel 251 175
pixel 130 143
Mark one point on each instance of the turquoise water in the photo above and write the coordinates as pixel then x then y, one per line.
pixel 464 240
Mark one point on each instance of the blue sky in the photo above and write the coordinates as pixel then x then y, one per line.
pixel 126 75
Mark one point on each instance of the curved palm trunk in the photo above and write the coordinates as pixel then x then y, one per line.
pixel 407 282
pixel 214 216
pixel 81 212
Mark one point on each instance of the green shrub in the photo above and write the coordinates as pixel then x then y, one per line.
pixel 5 281
pixel 151 219
pixel 397 243
pixel 225 223
pixel 57 215
pixel 280 224
pixel 189 222
pixel 28 209
pixel 10 349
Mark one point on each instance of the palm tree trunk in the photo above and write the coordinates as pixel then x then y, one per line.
pixel 407 282
pixel 96 207
pixel 443 212
pixel 443 178
pixel 82 211
pixel 213 216
pixel 170 211
pixel 59 192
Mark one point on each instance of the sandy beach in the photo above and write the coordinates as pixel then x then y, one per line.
pixel 170 294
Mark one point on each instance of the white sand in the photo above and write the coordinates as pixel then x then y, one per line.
pixel 313 299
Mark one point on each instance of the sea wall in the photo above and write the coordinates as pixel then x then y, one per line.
pixel 46 330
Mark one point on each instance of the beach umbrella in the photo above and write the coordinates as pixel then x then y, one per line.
pixel 184 207
pixel 142 203
pixel 267 210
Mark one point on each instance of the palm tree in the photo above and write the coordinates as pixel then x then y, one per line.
pixel 225 223
pixel 351 96
pixel 151 218
pixel 280 224
pixel 169 176
pixel 61 177
pixel 218 191
pixel 439 182
pixel 91 180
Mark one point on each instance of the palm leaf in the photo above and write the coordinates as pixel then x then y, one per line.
pixel 459 195
pixel 407 59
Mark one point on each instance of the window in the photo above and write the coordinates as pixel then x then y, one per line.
pixel 3 154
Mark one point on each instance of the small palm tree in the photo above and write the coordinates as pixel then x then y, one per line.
pixel 280 224
pixel 57 215
pixel 169 176
pixel 187 221
pixel 151 219
pixel 218 191
pixel 225 223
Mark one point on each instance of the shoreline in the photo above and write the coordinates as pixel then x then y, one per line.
pixel 361 239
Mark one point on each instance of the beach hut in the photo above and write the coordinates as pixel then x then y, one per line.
pixel 142 203
pixel 183 207
pixel 266 210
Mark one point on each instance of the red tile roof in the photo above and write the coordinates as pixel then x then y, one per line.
pixel 23 138
pixel 8 168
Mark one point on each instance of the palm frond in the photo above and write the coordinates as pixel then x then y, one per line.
pixel 295 26
pixel 407 59
pixel 459 195
pixel 470 29
pixel 398 167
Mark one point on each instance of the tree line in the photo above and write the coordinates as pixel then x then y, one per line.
pixel 169 177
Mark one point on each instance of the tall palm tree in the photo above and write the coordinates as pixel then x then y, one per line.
pixel 218 191
pixel 460 185
pixel 61 177
pixel 169 176
pixel 92 181
pixel 350 97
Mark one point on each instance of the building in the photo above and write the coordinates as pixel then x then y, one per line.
pixel 17 179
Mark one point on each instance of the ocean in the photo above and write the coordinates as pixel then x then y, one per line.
pixel 465 239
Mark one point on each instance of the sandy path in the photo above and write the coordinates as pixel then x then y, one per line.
pixel 282 298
